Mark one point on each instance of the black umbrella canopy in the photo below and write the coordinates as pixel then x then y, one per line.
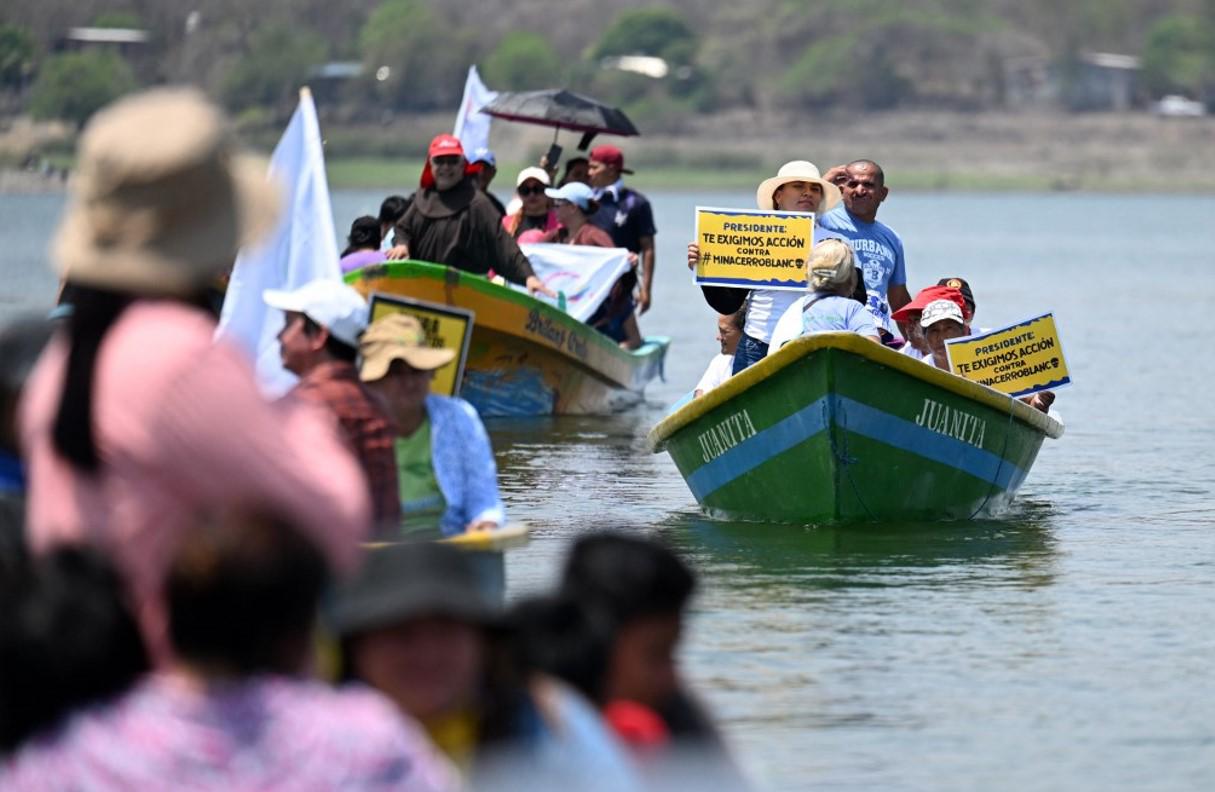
pixel 561 109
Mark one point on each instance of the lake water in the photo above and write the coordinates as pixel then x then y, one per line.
pixel 1068 645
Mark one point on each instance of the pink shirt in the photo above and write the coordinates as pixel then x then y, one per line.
pixel 180 426
pixel 261 734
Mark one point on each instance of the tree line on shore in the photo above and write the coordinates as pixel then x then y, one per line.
pixel 402 56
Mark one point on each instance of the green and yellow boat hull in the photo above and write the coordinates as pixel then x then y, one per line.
pixel 834 427
pixel 526 357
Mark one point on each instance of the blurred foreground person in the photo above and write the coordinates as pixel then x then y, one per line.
pixel 20 345
pixel 612 631
pixel 67 640
pixel 446 472
pixel 235 710
pixel 134 420
pixel 417 625
pixel 319 343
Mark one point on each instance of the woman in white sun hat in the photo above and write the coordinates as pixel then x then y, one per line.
pixel 796 187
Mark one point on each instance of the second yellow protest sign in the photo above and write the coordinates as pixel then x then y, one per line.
pixel 1018 360
pixel 753 248
pixel 445 327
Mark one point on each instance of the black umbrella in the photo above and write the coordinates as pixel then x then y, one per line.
pixel 562 109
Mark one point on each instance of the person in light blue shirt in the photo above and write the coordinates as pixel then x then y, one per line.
pixel 829 307
pixel 878 249
pixel 447 474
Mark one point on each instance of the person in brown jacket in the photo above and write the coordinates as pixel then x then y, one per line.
pixel 452 222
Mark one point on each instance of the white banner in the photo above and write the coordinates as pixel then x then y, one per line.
pixel 585 274
pixel 302 248
pixel 472 126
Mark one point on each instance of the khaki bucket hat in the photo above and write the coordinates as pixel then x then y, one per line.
pixel 161 200
pixel 798 170
pixel 398 336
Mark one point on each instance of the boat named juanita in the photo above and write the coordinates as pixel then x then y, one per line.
pixel 952 422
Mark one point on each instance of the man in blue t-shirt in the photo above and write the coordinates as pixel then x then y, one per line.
pixel 879 250
pixel 625 214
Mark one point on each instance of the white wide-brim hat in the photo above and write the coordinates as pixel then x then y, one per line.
pixel 161 200
pixel 797 170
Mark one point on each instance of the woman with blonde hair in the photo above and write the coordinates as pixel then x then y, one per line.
pixel 829 307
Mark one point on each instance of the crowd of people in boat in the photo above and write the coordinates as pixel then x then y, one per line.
pixel 205 588
pixel 856 275
pixel 454 219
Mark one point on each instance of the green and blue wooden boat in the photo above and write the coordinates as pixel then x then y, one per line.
pixel 834 427
pixel 526 356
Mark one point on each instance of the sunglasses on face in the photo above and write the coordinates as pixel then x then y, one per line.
pixel 446 161
pixel 526 191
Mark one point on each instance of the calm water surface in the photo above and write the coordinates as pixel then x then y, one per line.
pixel 1067 645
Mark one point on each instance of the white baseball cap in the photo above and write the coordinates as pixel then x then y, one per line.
pixel 539 174
pixel 937 310
pixel 330 303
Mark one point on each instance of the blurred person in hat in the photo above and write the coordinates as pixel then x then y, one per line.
pixel 134 418
pixel 319 343
pixel 796 187
pixel 236 708
pixel 447 477
pixel 531 210
pixel 829 307
pixel 417 625
pixel 452 222
pixel 484 167
pixel 879 249
pixel 626 215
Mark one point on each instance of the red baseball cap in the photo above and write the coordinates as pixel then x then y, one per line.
pixel 925 296
pixel 441 146
pixel 445 146
pixel 610 156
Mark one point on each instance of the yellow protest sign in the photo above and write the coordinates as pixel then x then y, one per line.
pixel 445 327
pixel 1018 360
pixel 753 248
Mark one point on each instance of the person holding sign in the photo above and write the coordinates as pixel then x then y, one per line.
pixel 575 205
pixel 797 187
pixel 830 307
pixel 447 474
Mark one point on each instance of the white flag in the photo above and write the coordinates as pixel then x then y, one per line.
pixel 584 273
pixel 472 126
pixel 302 248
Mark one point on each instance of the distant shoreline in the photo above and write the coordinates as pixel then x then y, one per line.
pixel 920 151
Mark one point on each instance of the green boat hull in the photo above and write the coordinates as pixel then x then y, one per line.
pixel 836 428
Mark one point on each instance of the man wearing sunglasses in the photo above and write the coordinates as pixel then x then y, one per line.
pixel 452 222
pixel 878 249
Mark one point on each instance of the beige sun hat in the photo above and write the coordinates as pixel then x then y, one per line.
pixel 831 264
pixel 161 200
pixel 398 336
pixel 797 170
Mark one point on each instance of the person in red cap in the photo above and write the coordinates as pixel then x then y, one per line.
pixel 909 316
pixel 452 222
pixel 625 214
